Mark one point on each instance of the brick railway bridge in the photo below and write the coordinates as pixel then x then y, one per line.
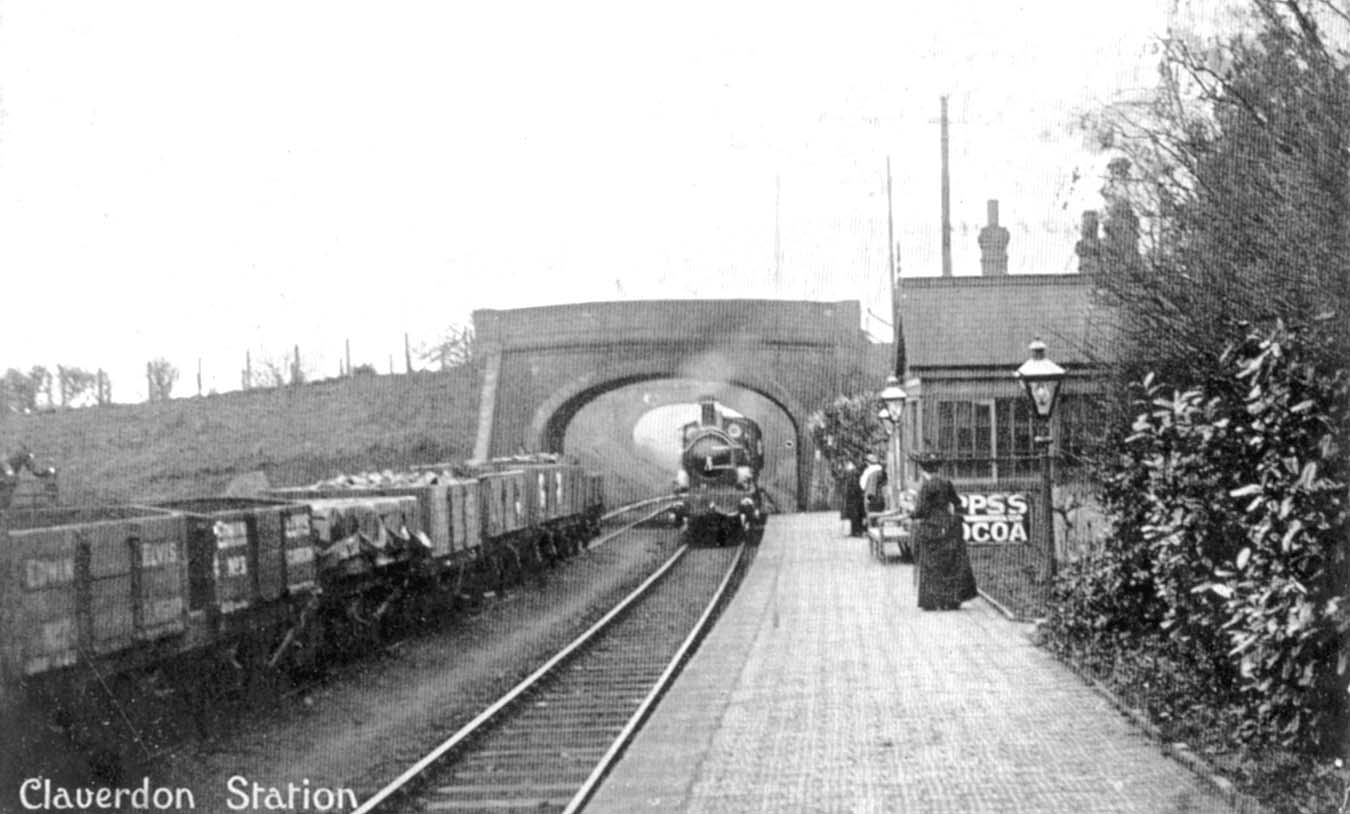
pixel 543 365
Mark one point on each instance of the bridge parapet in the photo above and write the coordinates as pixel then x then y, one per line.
pixel 775 322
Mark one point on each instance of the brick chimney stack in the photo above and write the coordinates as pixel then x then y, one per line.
pixel 1089 246
pixel 993 241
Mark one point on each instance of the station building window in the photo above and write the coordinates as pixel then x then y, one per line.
pixel 1016 448
pixel 987 439
pixel 965 437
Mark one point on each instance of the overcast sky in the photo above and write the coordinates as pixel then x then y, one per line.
pixel 200 179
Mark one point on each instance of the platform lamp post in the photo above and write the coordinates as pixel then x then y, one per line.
pixel 1041 379
pixel 892 414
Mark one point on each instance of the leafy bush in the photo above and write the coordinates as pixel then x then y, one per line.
pixel 1231 510
pixel 1285 608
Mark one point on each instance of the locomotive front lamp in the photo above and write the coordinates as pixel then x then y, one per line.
pixel 1041 379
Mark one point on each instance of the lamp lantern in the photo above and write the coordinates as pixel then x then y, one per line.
pixel 893 398
pixel 1041 379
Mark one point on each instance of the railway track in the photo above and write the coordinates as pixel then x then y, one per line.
pixel 546 745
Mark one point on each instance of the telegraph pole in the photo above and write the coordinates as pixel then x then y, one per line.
pixel 890 241
pixel 777 231
pixel 946 200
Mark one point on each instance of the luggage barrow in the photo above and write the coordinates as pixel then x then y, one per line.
pixel 889 535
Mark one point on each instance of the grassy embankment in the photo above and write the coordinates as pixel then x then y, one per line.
pixel 195 446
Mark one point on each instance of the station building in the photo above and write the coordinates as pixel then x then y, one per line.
pixel 964 338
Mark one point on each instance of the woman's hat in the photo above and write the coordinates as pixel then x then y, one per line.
pixel 926 458
pixel 872 458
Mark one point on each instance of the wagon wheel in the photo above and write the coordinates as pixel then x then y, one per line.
pixel 365 629
pixel 300 650
pixel 197 693
pixel 501 571
pixel 516 565
pixel 418 606
pixel 477 581
pixel 259 685
pixel 535 557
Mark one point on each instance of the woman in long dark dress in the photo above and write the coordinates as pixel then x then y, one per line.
pixel 852 510
pixel 942 567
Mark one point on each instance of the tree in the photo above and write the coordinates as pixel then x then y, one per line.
pixel 102 388
pixel 160 377
pixel 74 384
pixel 846 430
pixel 20 392
pixel 1239 165
pixel 41 380
pixel 275 370
pixel 1228 484
pixel 298 373
pixel 456 348
pixel 267 372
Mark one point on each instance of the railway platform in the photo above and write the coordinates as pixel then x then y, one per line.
pixel 823 688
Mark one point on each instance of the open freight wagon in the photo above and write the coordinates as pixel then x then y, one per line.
pixel 497 521
pixel 150 609
pixel 89 583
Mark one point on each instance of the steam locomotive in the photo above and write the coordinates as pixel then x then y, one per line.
pixel 720 463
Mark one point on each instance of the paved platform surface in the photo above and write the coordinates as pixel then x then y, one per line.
pixel 824 688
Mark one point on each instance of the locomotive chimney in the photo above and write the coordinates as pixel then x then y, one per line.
pixel 707 412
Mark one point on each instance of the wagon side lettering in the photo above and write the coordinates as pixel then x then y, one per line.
pixel 230 534
pixel 158 555
pixel 236 566
pixel 297 527
pixel 58 635
pixel 39 573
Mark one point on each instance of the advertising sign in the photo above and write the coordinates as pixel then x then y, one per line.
pixel 995 517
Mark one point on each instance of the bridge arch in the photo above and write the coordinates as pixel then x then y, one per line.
pixel 548 425
pixel 544 364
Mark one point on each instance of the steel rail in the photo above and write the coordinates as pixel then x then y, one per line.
pixel 638 505
pixel 667 676
pixel 599 541
pixel 398 783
